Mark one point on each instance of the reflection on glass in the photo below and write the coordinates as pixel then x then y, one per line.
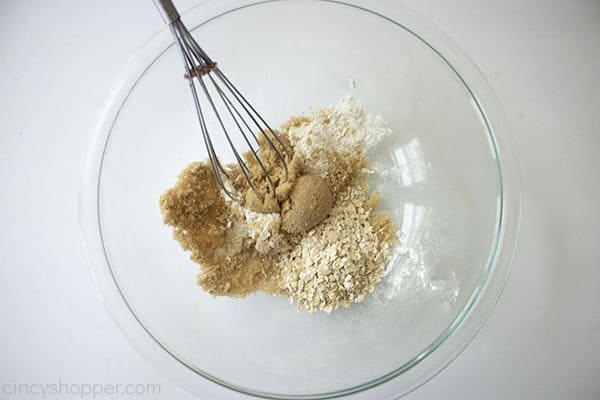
pixel 409 160
pixel 413 217
pixel 411 280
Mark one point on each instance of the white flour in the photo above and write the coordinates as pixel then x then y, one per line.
pixel 264 229
pixel 345 128
pixel 408 277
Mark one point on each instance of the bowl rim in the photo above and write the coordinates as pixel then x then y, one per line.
pixel 439 353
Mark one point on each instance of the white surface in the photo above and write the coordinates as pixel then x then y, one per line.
pixel 59 58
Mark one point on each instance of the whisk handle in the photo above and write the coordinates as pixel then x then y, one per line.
pixel 167 10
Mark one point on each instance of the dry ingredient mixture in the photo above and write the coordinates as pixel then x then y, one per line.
pixel 319 241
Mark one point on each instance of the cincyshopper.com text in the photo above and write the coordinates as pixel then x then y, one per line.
pixel 62 389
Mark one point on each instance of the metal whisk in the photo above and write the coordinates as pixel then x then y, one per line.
pixel 204 74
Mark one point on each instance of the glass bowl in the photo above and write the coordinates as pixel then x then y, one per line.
pixel 448 176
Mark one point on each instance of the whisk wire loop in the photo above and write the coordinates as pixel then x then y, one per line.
pixel 205 76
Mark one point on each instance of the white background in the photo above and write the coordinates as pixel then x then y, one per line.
pixel 59 58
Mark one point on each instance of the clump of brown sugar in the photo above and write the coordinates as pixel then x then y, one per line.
pixel 309 204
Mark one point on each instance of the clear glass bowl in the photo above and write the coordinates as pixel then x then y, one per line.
pixel 448 176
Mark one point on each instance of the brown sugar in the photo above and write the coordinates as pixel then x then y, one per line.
pixel 205 225
pixel 282 173
pixel 309 203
